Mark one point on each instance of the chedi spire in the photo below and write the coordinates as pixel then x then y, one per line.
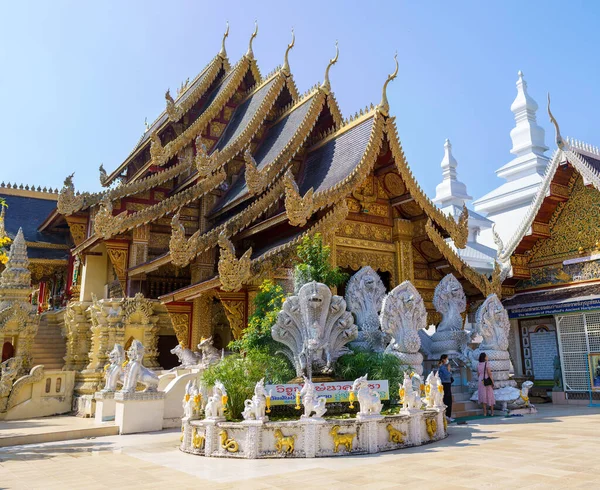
pixel 450 191
pixel 16 274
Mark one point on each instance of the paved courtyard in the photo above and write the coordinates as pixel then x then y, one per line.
pixel 557 448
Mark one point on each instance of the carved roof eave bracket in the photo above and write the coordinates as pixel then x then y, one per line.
pixel 480 281
pixel 233 272
pixel 459 232
pixel 111 225
pixel 183 251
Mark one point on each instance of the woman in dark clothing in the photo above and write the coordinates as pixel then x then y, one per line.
pixel 445 374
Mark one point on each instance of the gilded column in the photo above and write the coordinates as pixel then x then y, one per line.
pixel 402 237
pixel 201 318
pixel 235 306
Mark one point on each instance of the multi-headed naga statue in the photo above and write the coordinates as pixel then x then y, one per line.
pixel 403 314
pixel 364 295
pixel 315 327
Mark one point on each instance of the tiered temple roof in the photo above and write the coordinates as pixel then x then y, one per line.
pixel 245 162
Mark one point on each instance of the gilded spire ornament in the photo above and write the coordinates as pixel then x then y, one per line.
pixel 559 139
pixel 326 85
pixel 205 164
pixel 250 53
pixel 68 200
pixel 384 105
pixel 16 273
pixel 297 208
pixel 233 272
pixel 157 151
pixel 103 176
pixel 286 65
pixel 173 111
pixel 223 52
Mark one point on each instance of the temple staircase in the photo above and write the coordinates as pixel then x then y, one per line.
pixel 49 347
pixel 462 406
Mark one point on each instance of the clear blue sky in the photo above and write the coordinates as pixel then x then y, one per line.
pixel 78 78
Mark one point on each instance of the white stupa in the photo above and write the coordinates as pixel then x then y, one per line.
pixel 451 195
pixel 507 204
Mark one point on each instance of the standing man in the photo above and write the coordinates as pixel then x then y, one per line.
pixel 445 374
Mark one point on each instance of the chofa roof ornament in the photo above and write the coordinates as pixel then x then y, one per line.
pixel 384 105
pixel 326 86
pixel 250 53
pixel 286 65
pixel 223 52
pixel 559 140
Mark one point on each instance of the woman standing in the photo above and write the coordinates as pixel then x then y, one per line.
pixel 445 374
pixel 485 390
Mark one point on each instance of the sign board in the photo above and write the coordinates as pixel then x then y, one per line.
pixel 553 309
pixel 337 391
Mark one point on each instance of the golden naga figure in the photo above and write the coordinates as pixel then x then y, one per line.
pixel 197 439
pixel 230 445
pixel 297 208
pixel 341 439
pixel 431 426
pixel 233 272
pixel 255 179
pixel 394 435
pixel 284 443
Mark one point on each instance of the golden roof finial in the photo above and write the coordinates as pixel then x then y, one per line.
pixel 286 65
pixel 223 52
pixel 326 86
pixel 559 140
pixel 250 53
pixel 384 105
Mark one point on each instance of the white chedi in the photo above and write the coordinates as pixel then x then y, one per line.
pixel 311 402
pixel 368 399
pixel 434 390
pixel 364 297
pixel 136 373
pixel 403 314
pixel 113 374
pixel 255 408
pixel 215 406
pixel 315 327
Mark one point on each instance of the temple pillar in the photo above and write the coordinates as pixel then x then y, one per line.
pixel 94 275
pixel 236 310
pixel 402 236
pixel 201 318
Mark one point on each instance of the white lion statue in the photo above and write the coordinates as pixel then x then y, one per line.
pixel 368 399
pixel 364 296
pixel 311 402
pixel 113 372
pixel 403 314
pixel 215 407
pixel 136 373
pixel 434 391
pixel 255 409
pixel 410 398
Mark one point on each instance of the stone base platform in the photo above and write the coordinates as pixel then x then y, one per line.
pixel 141 411
pixel 51 429
pixel 312 438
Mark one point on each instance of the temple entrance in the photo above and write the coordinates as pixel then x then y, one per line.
pixel 8 351
pixel 165 358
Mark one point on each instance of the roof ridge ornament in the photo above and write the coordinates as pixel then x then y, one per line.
pixel 223 52
pixel 250 53
pixel 286 65
pixel 384 105
pixel 326 86
pixel 559 140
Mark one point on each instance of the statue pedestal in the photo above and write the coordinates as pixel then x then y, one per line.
pixel 368 417
pixel 256 422
pixel 141 411
pixel 105 406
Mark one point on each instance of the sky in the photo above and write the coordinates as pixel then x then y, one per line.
pixel 78 78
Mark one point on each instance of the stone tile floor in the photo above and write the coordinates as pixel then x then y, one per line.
pixel 557 448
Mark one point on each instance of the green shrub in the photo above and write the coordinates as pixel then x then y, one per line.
pixel 239 374
pixel 315 264
pixel 268 302
pixel 376 365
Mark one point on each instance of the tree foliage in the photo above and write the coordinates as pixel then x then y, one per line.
pixel 315 264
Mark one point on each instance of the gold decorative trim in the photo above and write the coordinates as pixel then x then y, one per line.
pixel 55 246
pixel 459 232
pixel 107 225
pixel 485 286
pixel 365 244
pixel 50 195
